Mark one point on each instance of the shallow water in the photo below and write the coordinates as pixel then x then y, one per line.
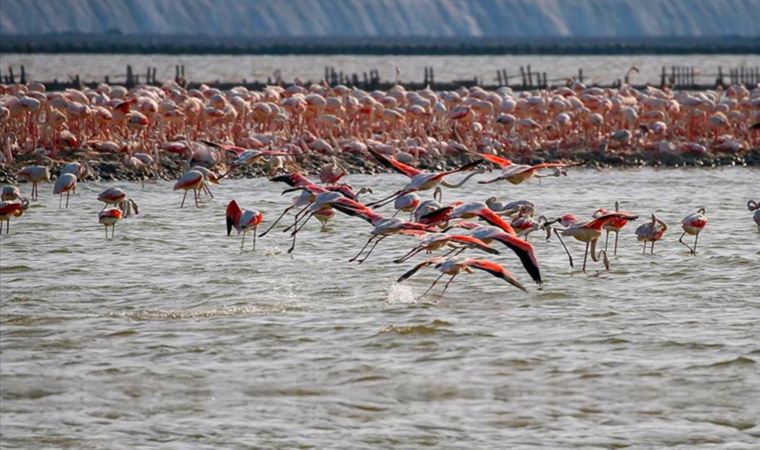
pixel 601 69
pixel 169 337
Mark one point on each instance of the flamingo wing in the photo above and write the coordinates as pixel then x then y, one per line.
pixel 233 214
pixel 496 270
pixel 470 241
pixel 438 216
pixel 415 269
pixel 396 165
pixel 524 251
pixel 501 162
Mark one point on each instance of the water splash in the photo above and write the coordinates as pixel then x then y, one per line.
pixel 399 293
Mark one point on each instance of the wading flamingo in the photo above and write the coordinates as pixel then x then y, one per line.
pixel 589 232
pixel 693 224
pixel 34 175
pixel 651 232
pixel 11 209
pixel 66 183
pixel 614 225
pixel 754 206
pixel 10 193
pixel 454 266
pixel 242 221
pixel 118 197
pixel 192 179
pixel 108 218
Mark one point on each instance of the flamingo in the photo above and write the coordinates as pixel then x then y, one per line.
pixel 118 197
pixel 693 224
pixel 420 181
pixel 35 175
pixel 614 225
pixel 518 173
pixel 454 266
pixel 589 232
pixel 244 156
pixel 109 217
pixel 406 203
pixel 468 210
pixel 651 232
pixel 242 221
pixel 10 193
pixel 754 206
pixel 10 209
pixel 332 173
pixel 192 179
pixel 428 206
pixel 65 183
pixel 436 241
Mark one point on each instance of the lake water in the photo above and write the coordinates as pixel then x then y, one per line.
pixel 169 337
pixel 597 68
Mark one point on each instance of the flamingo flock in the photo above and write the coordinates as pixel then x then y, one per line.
pixel 428 137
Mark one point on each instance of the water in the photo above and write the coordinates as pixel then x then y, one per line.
pixel 234 68
pixel 169 337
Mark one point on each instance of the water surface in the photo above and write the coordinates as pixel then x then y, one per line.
pixel 169 337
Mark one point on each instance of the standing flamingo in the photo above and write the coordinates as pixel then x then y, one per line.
pixel 589 232
pixel 242 221
pixel 192 179
pixel 11 209
pixel 651 232
pixel 693 224
pixel 35 175
pixel 754 206
pixel 118 197
pixel 454 266
pixel 66 183
pixel 614 225
pixel 109 217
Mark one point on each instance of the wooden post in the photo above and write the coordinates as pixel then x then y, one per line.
pixel 580 75
pixel 522 74
pixel 22 80
pixel 182 71
pixel 130 77
pixel 11 77
pixel 366 80
pixel 432 76
pixel 107 80
pixel 530 77
pixel 546 85
pixel 662 77
pixel 719 81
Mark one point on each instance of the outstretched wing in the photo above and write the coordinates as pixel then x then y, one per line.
pixel 524 250
pixel 413 270
pixel 501 162
pixel 496 270
pixel 392 163
pixel 472 242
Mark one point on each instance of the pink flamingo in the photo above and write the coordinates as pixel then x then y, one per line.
pixel 614 225
pixel 66 183
pixel 454 266
pixel 108 218
pixel 693 224
pixel 588 232
pixel 10 209
pixel 242 221
pixel 518 173
pixel 754 206
pixel 651 232
pixel 192 179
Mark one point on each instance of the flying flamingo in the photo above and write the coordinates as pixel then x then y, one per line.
pixel 469 210
pixel 10 209
pixel 518 173
pixel 332 173
pixel 436 241
pixel 66 183
pixel 108 218
pixel 693 224
pixel 242 221
pixel 420 181
pixel 118 197
pixel 35 175
pixel 454 266
pixel 651 232
pixel 244 156
pixel 588 232
pixel 614 225
pixel 192 179
pixel 754 206
pixel 406 203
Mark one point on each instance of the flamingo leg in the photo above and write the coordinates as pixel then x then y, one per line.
pixel 409 254
pixel 696 238
pixel 569 256
pixel 197 193
pixel 396 213
pixel 295 233
pixel 652 252
pixel 254 239
pixel 362 250
pixel 297 218
pixel 617 233
pixel 680 239
pixel 276 221
pixel 303 224
pixel 585 256
pixel 371 249
pixel 67 198
pixel 606 240
pixel 431 286
pixel 106 231
pixel 113 230
pixel 242 241
pixel 183 199
pixel 60 201
pixel 447 284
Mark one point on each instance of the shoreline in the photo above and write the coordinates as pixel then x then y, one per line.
pixel 108 167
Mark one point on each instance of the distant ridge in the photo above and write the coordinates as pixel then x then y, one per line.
pixel 502 19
